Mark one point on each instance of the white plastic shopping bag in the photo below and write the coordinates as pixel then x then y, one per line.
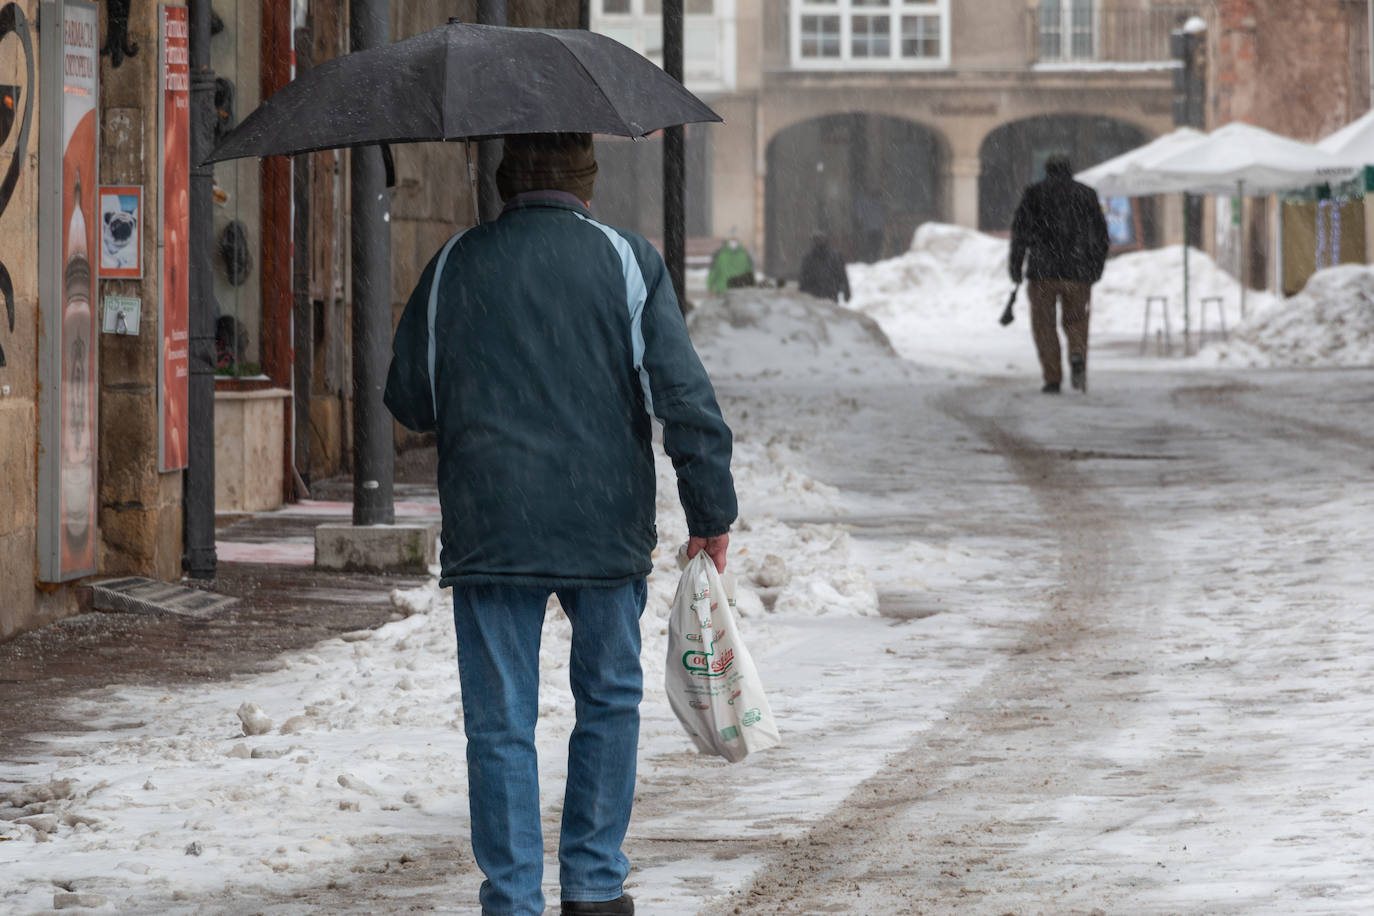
pixel 712 684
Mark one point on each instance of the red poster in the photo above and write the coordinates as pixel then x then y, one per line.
pixel 176 226
pixel 76 478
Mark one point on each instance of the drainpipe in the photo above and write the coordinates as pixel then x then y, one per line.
pixel 374 453
pixel 198 496
pixel 489 12
pixel 674 162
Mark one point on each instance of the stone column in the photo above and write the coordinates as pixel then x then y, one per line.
pixel 962 184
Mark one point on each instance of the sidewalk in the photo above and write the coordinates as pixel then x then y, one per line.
pixel 265 560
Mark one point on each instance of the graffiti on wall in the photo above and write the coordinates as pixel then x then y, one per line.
pixel 12 21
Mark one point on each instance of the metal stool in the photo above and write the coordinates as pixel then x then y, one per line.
pixel 1202 317
pixel 1145 334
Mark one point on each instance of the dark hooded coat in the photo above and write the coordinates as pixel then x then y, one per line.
pixel 822 272
pixel 1059 223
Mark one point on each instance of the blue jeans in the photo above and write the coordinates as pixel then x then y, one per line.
pixel 498 666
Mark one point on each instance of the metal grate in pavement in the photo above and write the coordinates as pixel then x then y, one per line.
pixel 139 595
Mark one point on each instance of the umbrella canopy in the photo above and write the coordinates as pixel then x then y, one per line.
pixel 1354 142
pixel 463 82
pixel 1130 175
pixel 1242 158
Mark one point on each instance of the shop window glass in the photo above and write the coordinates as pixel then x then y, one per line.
pixel 236 57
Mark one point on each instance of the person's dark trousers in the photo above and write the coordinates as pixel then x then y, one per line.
pixel 498 629
pixel 1072 298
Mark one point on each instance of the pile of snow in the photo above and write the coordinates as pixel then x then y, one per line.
pixel 1329 323
pixel 1119 298
pixel 949 271
pixel 939 302
pixel 760 332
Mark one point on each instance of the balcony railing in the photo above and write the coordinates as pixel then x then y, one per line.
pixel 1089 34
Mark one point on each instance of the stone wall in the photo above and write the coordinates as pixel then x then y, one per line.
pixel 21 605
pixel 140 508
pixel 1294 68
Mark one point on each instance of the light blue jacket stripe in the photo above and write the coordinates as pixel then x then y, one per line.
pixel 432 311
pixel 636 295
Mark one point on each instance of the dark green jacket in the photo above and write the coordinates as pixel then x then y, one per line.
pixel 547 343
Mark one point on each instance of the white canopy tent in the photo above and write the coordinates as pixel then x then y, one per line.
pixel 1354 142
pixel 1237 159
pixel 1243 159
pixel 1130 174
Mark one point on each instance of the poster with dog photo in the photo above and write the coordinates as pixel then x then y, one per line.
pixel 121 232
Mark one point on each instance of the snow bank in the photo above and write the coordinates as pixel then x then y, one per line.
pixel 1119 298
pixel 938 302
pixel 760 333
pixel 949 271
pixel 1329 323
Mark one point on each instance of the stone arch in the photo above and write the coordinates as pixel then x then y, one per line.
pixel 867 180
pixel 1013 155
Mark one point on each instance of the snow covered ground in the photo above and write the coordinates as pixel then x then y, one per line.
pixel 873 460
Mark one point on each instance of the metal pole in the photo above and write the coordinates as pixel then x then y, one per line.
pixel 374 454
pixel 674 162
pixel 1187 233
pixel 489 12
pixel 198 495
pixel 302 311
pixel 1244 245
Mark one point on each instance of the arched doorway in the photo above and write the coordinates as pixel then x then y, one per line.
pixel 867 181
pixel 1014 155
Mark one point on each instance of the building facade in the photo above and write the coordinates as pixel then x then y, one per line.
pixel 865 118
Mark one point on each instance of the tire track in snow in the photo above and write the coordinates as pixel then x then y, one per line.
pixel 962 779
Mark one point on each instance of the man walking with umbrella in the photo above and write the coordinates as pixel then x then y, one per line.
pixel 1060 224
pixel 539 347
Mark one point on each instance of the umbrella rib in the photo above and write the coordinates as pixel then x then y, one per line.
pixel 569 51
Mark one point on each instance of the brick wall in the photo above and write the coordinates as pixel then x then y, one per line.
pixel 1293 68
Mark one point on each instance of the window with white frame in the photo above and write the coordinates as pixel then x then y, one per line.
pixel 1068 29
pixel 708 36
pixel 869 33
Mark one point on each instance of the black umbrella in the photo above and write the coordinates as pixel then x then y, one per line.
pixel 1008 316
pixel 467 82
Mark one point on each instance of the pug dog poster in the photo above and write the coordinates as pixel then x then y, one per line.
pixel 121 232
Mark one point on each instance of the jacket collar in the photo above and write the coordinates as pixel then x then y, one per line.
pixel 559 200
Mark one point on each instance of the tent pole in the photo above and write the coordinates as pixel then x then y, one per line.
pixel 1244 244
pixel 1187 222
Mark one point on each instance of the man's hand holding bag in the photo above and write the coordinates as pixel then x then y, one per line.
pixel 712 683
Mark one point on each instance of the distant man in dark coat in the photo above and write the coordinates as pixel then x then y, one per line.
pixel 1059 223
pixel 822 272
pixel 540 348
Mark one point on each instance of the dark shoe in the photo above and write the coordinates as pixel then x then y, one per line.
pixel 624 905
pixel 1078 373
pixel 1050 388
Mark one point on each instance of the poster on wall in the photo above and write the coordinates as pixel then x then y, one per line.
pixel 1123 222
pixel 174 72
pixel 121 232
pixel 69 237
